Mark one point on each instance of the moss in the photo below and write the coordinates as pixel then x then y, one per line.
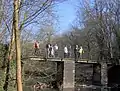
pixel 2 79
pixel 12 80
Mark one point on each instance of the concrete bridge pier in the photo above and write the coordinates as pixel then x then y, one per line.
pixel 104 77
pixel 100 75
pixel 69 76
pixel 96 78
pixel 60 72
pixel 65 75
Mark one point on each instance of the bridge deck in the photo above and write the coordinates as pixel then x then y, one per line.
pixel 61 59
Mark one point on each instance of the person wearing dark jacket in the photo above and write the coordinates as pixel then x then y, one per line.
pixel 76 52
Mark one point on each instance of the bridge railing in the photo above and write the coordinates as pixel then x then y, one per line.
pixel 57 54
pixel 44 53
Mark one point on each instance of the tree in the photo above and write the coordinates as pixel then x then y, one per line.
pixel 30 12
pixel 17 44
pixel 45 34
pixel 99 17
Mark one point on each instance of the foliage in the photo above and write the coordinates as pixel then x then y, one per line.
pixel 100 21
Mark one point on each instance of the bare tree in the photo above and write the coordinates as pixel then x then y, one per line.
pixel 17 44
pixel 100 18
pixel 30 12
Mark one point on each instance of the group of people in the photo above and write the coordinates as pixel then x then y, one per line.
pixel 52 50
pixel 78 52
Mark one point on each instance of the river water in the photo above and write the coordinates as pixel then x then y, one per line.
pixel 87 89
pixel 94 88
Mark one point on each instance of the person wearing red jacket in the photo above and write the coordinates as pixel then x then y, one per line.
pixel 36 46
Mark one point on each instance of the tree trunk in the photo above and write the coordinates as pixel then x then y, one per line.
pixel 17 45
pixel 9 55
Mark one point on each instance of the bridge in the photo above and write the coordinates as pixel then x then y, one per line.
pixel 66 67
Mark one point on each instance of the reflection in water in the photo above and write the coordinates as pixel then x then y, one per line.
pixel 78 88
pixel 82 89
pixel 97 89
pixel 86 89
pixel 49 89
pixel 90 89
pixel 31 89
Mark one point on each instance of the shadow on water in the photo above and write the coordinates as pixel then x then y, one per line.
pixel 87 89
pixel 47 89
pixel 96 88
pixel 91 89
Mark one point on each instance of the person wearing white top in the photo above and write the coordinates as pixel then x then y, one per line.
pixel 65 51
pixel 56 50
pixel 56 47
pixel 81 51
pixel 52 51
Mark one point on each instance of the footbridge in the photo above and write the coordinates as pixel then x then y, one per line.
pixel 66 67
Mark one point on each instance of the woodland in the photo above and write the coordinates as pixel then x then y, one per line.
pixel 96 28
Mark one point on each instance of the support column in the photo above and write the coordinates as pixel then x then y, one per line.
pixel 104 78
pixel 96 79
pixel 69 75
pixel 59 76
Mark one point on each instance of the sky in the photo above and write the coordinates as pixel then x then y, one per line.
pixel 67 13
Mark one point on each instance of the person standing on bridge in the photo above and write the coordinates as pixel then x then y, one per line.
pixel 65 51
pixel 76 52
pixel 69 51
pixel 56 50
pixel 52 51
pixel 47 50
pixel 36 46
pixel 81 51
